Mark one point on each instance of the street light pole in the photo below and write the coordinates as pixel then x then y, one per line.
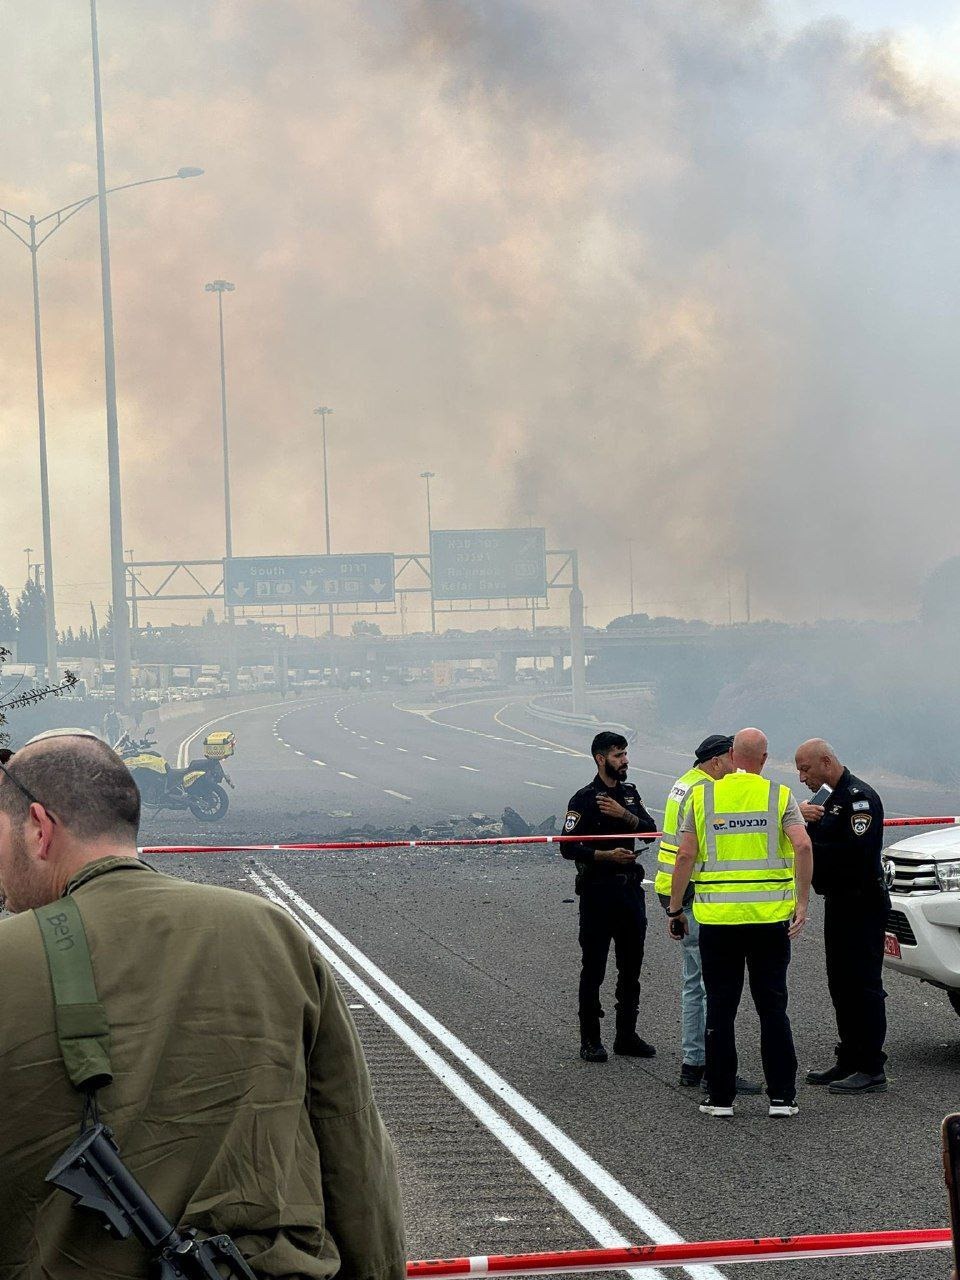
pixel 33 240
pixel 428 476
pixel 630 548
pixel 118 573
pixel 28 552
pixel 322 413
pixel 220 287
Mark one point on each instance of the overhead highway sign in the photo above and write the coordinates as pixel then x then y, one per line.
pixel 488 564
pixel 347 579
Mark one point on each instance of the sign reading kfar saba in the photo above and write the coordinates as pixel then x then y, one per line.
pixel 488 564
pixel 360 579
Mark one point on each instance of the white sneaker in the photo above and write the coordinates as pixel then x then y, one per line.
pixel 782 1110
pixel 718 1113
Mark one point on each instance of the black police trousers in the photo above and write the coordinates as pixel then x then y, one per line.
pixel 612 909
pixel 764 951
pixel 853 929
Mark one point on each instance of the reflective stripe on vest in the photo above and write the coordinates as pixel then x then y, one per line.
pixel 744 868
pixel 672 814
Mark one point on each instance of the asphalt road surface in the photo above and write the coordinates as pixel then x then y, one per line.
pixel 461 968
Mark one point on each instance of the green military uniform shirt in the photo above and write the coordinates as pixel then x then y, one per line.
pixel 241 1099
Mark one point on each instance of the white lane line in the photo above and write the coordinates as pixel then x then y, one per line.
pixel 344 774
pixel 625 1201
pixel 398 794
pixel 469 768
pixel 433 758
pixel 183 751
pixel 321 763
pixel 546 1174
pixel 403 749
pixel 544 786
pixel 298 753
pixel 378 742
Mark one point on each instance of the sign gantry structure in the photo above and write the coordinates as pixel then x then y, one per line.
pixel 466 571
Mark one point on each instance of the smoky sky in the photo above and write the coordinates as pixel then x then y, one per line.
pixel 658 272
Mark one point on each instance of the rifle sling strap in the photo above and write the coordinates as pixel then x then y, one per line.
pixel 83 1031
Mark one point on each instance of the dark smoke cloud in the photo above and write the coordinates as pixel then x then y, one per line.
pixel 654 271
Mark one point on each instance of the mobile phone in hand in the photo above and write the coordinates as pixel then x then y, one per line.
pixel 822 796
pixel 950 1132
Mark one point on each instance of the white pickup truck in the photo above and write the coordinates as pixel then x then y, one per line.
pixel 922 874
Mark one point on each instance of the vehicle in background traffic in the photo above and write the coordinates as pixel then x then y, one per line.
pixel 922 875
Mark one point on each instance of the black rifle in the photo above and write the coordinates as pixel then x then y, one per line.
pixel 93 1173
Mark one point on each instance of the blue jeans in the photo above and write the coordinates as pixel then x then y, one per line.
pixel 693 996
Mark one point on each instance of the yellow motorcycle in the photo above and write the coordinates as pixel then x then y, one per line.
pixel 197 788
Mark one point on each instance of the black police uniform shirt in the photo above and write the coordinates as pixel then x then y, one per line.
pixel 584 818
pixel 848 839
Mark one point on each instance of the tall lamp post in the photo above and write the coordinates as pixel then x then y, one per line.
pixel 322 413
pixel 630 542
pixel 220 287
pixel 428 476
pixel 36 232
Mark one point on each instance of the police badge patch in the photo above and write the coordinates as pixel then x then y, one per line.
pixel 861 823
pixel 571 820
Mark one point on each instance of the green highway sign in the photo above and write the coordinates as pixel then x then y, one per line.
pixel 358 579
pixel 488 564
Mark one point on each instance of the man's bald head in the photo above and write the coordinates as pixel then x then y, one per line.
pixel 818 763
pixel 80 781
pixel 749 751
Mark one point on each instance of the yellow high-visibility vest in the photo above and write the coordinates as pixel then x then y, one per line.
pixel 744 869
pixel 672 813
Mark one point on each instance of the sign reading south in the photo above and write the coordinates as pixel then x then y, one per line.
pixel 359 579
pixel 488 564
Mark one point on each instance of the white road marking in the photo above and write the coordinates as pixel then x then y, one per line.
pixel 183 751
pixel 299 753
pixel 625 1201
pixel 546 1174
pixel 378 742
pixel 543 785
pixel 433 758
pixel 344 774
pixel 469 768
pixel 403 749
pixel 398 794
pixel 321 763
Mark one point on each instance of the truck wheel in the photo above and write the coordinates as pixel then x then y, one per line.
pixel 954 998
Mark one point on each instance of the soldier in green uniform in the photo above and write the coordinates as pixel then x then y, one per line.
pixel 240 1099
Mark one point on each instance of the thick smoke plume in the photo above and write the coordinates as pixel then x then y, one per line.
pixel 649 271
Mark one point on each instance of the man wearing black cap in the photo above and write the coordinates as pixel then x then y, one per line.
pixel 712 762
pixel 610 886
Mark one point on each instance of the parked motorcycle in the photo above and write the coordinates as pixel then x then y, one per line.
pixel 197 787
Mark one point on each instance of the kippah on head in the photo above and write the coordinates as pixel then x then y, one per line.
pixel 78 779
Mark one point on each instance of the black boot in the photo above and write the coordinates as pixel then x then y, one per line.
pixel 627 1041
pixel 591 1046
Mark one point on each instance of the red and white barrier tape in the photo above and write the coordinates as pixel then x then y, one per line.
pixel 682 1255
pixel 458 843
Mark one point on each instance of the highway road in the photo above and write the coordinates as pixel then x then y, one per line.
pixel 461 968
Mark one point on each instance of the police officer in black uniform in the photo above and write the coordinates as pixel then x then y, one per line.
pixel 847 835
pixel 610 887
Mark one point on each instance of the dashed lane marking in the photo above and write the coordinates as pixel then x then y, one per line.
pixel 433 758
pixel 544 786
pixel 469 768
pixel 629 1205
pixel 398 794
pixel 378 742
pixel 298 752
pixel 321 763
pixel 343 774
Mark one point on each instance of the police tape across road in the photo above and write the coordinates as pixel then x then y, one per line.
pixel 341 845
pixel 851 1245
